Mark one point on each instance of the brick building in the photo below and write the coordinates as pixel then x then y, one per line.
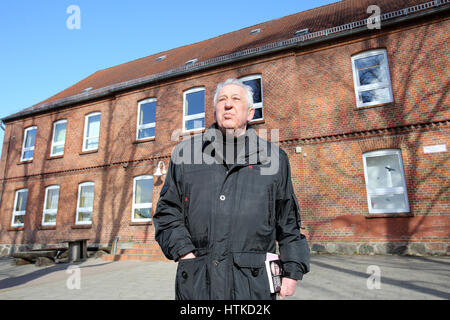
pixel 362 111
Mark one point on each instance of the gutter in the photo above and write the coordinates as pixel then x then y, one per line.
pixel 353 28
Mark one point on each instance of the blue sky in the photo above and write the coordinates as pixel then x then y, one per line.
pixel 40 55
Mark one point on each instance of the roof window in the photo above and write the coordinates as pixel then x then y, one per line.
pixel 255 31
pixel 301 32
pixel 161 58
pixel 190 62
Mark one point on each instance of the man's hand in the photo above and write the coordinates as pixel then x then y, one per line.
pixel 288 287
pixel 189 255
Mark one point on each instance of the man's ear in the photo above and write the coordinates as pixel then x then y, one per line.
pixel 251 113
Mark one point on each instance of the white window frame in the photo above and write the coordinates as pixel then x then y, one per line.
pixel 85 138
pixel 49 211
pixel 140 205
pixel 194 116
pixel 380 85
pixel 147 125
pixel 28 148
pixel 259 105
pixel 385 191
pixel 59 143
pixel 19 213
pixel 84 209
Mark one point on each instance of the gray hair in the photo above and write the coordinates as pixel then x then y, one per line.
pixel 247 88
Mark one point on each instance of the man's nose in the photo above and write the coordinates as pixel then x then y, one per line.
pixel 228 103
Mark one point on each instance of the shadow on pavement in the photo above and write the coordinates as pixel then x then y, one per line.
pixel 400 283
pixel 20 280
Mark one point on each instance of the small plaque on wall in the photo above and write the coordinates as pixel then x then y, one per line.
pixel 435 149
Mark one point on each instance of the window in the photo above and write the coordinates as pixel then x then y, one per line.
pixel 29 139
pixel 194 109
pixel 301 32
pixel 255 82
pixel 191 62
pixel 50 206
pixel 59 138
pixel 85 203
pixel 91 131
pixel 142 199
pixel 20 206
pixel 371 78
pixel 385 182
pixel 146 119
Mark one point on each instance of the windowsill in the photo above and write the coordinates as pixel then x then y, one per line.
pixel 192 132
pixel 88 152
pixel 82 226
pixel 24 162
pixel 256 122
pixel 389 215
pixel 16 228
pixel 41 227
pixel 142 223
pixel 144 140
pixel 387 104
pixel 55 157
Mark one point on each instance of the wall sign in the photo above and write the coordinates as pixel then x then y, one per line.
pixel 435 148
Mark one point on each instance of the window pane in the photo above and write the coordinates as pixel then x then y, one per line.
pixel 195 103
pixel 92 143
pixel 148 113
pixel 144 191
pixel 19 219
pixel 258 114
pixel 58 149
pixel 21 201
pixel 256 86
pixel 60 132
pixel 86 197
pixel 393 201
pixel 384 171
pixel 50 218
pixel 375 95
pixel 146 133
pixel 93 126
pixel 195 124
pixel 142 213
pixel 28 154
pixel 52 199
pixel 370 70
pixel 30 138
pixel 84 216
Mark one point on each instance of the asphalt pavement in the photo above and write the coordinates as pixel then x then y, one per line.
pixel 332 277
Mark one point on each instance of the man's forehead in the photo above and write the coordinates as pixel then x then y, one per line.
pixel 232 89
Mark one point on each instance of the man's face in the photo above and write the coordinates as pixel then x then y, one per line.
pixel 232 112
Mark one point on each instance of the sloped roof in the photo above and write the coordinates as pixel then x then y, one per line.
pixel 315 20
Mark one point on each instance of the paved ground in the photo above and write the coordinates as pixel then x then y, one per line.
pixel 332 277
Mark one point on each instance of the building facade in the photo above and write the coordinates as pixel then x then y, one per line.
pixel 362 112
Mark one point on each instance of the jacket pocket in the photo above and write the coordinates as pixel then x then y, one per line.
pixel 249 277
pixel 192 280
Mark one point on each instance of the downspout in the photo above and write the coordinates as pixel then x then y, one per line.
pixel 2 126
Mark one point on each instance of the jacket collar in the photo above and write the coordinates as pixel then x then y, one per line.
pixel 251 149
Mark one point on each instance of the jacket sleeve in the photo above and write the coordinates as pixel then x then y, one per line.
pixel 294 250
pixel 170 230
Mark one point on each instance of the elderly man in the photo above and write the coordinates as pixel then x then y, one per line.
pixel 221 209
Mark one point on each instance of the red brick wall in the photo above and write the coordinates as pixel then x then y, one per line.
pixel 309 96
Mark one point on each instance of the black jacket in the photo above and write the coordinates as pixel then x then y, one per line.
pixel 229 215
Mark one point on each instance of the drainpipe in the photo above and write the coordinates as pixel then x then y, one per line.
pixel 2 126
